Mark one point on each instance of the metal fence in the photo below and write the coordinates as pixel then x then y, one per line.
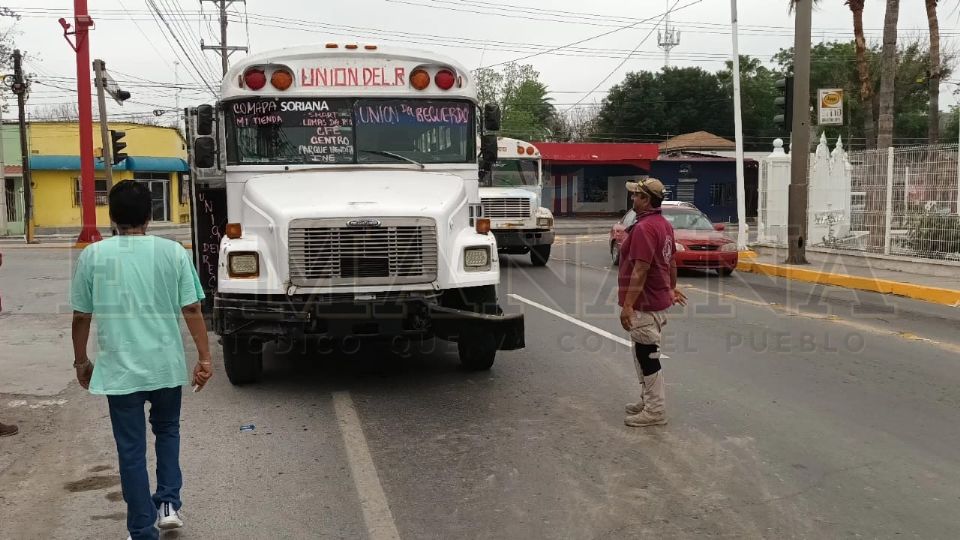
pixel 903 201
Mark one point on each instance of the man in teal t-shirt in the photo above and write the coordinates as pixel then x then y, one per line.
pixel 136 287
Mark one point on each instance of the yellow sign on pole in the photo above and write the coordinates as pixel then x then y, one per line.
pixel 830 106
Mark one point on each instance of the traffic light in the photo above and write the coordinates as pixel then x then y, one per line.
pixel 117 146
pixel 784 104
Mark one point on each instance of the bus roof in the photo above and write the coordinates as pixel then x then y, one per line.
pixel 508 148
pixel 334 70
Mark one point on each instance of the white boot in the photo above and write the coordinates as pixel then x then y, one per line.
pixel 654 408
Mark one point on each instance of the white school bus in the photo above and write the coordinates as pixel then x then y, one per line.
pixel 510 195
pixel 337 196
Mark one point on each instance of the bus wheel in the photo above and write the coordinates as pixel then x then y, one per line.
pixel 477 351
pixel 539 255
pixel 242 358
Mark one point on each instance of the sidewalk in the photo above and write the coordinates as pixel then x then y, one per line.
pixel 178 233
pixel 577 226
pixel 931 281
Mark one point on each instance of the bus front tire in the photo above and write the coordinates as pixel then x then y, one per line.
pixel 242 358
pixel 477 351
pixel 539 255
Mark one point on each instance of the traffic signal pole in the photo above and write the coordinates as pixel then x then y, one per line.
pixel 82 24
pixel 800 138
pixel 106 140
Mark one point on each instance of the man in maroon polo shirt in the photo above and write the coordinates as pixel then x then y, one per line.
pixel 648 287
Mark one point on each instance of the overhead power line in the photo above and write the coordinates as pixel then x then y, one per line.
pixel 625 58
pixel 189 57
pixel 591 38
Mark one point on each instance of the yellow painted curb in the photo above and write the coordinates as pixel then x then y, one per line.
pixel 937 295
pixel 748 254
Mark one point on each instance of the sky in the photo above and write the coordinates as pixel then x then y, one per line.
pixel 160 66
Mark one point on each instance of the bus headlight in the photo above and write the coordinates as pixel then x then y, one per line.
pixel 244 264
pixel 476 259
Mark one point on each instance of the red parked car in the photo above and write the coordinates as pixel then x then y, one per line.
pixel 700 244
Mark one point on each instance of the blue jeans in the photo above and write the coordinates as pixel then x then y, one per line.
pixel 130 433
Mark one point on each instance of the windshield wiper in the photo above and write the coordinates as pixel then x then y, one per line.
pixel 395 156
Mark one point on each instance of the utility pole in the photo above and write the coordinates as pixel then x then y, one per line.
pixel 800 143
pixel 81 45
pixel 20 87
pixel 742 231
pixel 176 83
pixel 3 181
pixel 224 50
pixel 669 39
pixel 98 70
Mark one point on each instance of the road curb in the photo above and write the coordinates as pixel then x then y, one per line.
pixel 936 295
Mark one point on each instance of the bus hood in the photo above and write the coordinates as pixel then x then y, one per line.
pixel 518 192
pixel 366 193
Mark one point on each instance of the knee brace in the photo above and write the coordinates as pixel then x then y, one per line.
pixel 648 356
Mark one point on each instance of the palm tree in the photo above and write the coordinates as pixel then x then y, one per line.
pixel 863 71
pixel 888 75
pixel 936 72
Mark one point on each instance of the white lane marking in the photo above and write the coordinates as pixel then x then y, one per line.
pixel 373 501
pixel 578 322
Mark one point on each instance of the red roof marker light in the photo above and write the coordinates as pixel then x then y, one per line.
pixel 445 79
pixel 255 78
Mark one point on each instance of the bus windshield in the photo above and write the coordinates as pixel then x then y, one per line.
pixel 269 131
pixel 512 172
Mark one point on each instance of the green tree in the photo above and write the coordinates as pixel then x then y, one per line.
pixel 528 113
pixel 6 38
pixel 936 72
pixel 952 125
pixel 673 101
pixel 757 93
pixel 527 110
pixel 832 66
pixel 888 76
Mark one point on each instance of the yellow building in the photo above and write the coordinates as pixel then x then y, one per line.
pixel 157 157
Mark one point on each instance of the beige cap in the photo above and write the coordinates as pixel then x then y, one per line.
pixel 650 186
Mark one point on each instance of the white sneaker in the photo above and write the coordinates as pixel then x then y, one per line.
pixel 168 518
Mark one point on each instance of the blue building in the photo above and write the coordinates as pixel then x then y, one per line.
pixel 708 181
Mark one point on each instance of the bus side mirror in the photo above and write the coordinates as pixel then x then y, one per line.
pixel 488 154
pixel 205 120
pixel 488 149
pixel 204 152
pixel 491 117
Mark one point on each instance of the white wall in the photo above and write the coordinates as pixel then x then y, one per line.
pixel 828 195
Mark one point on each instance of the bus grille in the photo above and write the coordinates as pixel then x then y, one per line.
pixel 331 252
pixel 506 207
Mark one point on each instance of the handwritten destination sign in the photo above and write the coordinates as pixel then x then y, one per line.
pixel 353 76
pixel 302 130
pixel 408 112
pixel 211 220
pixel 330 131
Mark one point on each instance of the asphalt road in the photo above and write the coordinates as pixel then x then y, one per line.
pixel 795 411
